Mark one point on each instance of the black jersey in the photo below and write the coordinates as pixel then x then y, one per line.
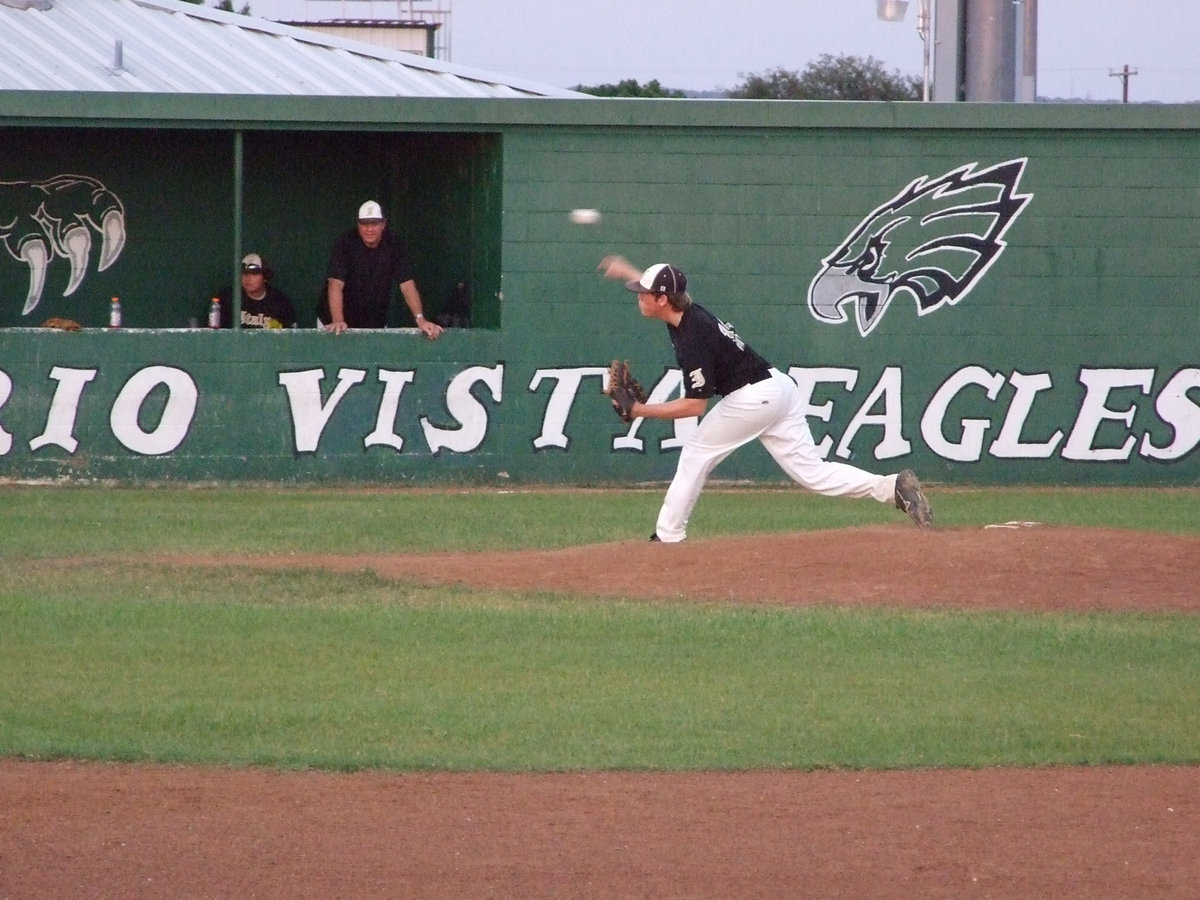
pixel 714 360
pixel 370 275
pixel 273 310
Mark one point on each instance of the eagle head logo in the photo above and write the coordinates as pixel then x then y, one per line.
pixel 933 241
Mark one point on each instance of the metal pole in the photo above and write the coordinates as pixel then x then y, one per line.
pixel 235 292
pixel 1019 51
pixel 924 30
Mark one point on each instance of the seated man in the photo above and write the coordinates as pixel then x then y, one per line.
pixel 263 306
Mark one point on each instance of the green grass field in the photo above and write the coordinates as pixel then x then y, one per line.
pixel 115 658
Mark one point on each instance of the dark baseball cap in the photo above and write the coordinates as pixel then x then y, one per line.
pixel 660 278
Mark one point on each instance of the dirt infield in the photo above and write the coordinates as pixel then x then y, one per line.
pixel 73 829
pixel 1027 568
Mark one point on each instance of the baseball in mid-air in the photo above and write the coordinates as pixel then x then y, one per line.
pixel 585 216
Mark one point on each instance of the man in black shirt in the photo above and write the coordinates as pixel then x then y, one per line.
pixel 366 265
pixel 757 401
pixel 263 305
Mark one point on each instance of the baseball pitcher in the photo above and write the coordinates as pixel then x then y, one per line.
pixel 756 401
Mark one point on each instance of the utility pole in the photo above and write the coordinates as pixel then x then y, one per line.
pixel 1124 76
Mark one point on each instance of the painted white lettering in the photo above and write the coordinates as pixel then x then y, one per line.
pixel 1008 444
pixel 5 393
pixel 1093 411
pixel 893 443
pixel 562 398
pixel 807 379
pixel 1178 410
pixel 64 408
pixel 385 422
pixel 670 385
pixel 681 429
pixel 173 422
pixel 309 415
pixel 466 409
pixel 970 447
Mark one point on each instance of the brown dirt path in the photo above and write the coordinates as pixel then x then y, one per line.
pixel 73 830
pixel 1033 568
pixel 95 830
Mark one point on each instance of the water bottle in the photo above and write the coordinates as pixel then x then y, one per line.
pixel 114 313
pixel 214 313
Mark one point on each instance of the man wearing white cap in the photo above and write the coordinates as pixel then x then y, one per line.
pixel 757 402
pixel 366 265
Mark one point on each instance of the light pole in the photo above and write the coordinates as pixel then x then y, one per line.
pixel 893 11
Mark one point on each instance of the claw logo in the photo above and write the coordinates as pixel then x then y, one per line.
pixel 933 241
pixel 41 221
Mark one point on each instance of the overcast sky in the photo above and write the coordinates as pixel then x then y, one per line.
pixel 706 45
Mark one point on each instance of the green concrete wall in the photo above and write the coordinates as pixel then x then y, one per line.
pixel 1033 272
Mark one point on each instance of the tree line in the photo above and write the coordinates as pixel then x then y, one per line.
pixel 828 77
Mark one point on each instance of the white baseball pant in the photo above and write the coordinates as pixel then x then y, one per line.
pixel 772 411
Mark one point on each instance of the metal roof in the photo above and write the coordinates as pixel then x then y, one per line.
pixel 166 46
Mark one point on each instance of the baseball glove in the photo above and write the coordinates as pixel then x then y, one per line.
pixel 623 389
pixel 61 324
